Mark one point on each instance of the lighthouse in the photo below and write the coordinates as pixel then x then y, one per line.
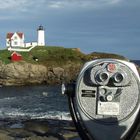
pixel 41 36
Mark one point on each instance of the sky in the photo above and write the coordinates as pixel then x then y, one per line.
pixel 111 26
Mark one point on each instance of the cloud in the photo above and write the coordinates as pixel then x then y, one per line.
pixel 26 8
pixel 25 4
pixel 6 4
pixel 81 3
pixel 56 4
pixel 31 5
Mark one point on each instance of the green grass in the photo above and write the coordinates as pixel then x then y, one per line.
pixel 53 55
pixel 5 56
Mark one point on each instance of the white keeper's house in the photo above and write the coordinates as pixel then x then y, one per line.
pixel 17 39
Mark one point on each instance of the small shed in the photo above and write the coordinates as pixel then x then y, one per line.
pixel 16 56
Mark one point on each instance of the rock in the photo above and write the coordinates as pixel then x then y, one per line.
pixel 38 127
pixel 42 130
pixel 38 130
pixel 22 73
pixel 59 72
pixel 4 135
pixel 55 75
pixel 138 136
pixel 71 71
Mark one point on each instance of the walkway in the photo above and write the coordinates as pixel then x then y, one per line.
pixel 21 49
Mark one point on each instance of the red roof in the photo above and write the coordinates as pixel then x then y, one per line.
pixel 16 54
pixel 9 35
pixel 20 35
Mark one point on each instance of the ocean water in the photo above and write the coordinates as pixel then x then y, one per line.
pixel 136 62
pixel 33 102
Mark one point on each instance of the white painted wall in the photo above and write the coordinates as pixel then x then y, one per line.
pixel 16 41
pixel 41 38
pixel 7 43
pixel 30 44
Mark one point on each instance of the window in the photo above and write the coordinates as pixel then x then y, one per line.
pixel 15 43
pixel 15 37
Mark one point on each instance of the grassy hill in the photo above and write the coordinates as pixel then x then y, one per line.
pixel 52 55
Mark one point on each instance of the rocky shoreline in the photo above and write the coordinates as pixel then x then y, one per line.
pixel 23 73
pixel 38 130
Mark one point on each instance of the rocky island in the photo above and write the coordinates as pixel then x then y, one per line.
pixel 49 65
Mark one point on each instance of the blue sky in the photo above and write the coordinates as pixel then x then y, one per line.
pixel 111 26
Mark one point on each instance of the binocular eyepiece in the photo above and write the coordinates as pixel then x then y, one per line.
pixel 118 77
pixel 105 100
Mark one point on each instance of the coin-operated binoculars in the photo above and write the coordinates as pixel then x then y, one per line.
pixel 105 101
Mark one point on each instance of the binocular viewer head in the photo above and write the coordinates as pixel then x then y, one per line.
pixel 106 98
pixel 107 74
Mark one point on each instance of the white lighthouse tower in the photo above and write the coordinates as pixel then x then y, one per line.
pixel 41 36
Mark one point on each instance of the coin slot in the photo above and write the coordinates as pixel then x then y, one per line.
pixel 88 93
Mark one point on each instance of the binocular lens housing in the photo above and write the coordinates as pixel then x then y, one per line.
pixel 103 76
pixel 119 77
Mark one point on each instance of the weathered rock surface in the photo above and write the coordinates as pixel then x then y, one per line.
pixel 38 130
pixel 22 73
pixel 25 73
